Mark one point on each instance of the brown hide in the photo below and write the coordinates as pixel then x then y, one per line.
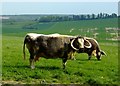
pixel 49 47
pixel 53 47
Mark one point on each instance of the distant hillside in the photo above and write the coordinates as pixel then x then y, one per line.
pixel 58 17
pixel 100 28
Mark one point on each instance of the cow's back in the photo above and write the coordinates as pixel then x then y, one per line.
pixel 95 45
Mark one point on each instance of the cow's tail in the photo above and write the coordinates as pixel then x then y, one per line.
pixel 24 50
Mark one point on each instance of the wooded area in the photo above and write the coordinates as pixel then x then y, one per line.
pixel 58 18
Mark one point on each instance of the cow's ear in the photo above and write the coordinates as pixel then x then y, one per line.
pixel 71 39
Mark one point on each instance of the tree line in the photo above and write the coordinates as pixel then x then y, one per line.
pixel 58 18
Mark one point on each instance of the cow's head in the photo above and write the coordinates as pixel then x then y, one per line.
pixel 80 43
pixel 100 54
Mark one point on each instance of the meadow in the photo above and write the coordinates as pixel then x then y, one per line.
pixel 49 71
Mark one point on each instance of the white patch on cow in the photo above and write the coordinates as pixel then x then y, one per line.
pixel 54 35
pixel 34 35
pixel 99 53
pixel 57 35
pixel 94 53
pixel 81 41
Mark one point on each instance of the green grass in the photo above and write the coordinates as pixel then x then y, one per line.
pixel 80 71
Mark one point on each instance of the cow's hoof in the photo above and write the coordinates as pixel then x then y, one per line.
pixel 99 59
pixel 74 59
pixel 32 67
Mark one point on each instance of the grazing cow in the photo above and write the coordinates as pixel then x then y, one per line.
pixel 58 46
pixel 91 47
pixel 50 46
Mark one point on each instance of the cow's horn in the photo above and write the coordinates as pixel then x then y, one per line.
pixel 103 53
pixel 89 46
pixel 73 46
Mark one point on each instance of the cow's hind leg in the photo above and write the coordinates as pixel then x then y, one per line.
pixel 64 62
pixel 32 63
pixel 89 57
pixel 31 60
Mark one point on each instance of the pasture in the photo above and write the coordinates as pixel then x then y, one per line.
pixel 49 71
pixel 80 71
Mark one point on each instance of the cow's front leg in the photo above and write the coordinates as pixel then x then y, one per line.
pixel 98 57
pixel 64 62
pixel 89 56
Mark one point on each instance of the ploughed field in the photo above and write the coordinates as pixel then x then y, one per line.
pixel 81 71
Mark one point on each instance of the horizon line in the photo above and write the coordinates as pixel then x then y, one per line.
pixel 58 13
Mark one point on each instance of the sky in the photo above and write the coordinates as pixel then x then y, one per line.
pixel 34 7
pixel 59 0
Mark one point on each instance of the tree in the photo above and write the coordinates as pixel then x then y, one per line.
pixel 88 16
pixel 114 15
pixel 82 17
pixel 93 16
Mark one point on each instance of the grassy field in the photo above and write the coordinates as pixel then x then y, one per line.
pixel 79 71
pixel 78 27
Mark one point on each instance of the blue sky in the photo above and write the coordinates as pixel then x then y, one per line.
pixel 16 8
pixel 59 0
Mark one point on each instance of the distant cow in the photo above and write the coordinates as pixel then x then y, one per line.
pixel 91 47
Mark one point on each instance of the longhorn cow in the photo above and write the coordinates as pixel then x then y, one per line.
pixel 59 46
pixel 91 47
pixel 51 46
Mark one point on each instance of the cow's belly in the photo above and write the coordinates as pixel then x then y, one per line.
pixel 51 54
pixel 53 48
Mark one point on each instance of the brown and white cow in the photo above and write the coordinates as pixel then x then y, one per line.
pixel 51 46
pixel 91 47
pixel 59 46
